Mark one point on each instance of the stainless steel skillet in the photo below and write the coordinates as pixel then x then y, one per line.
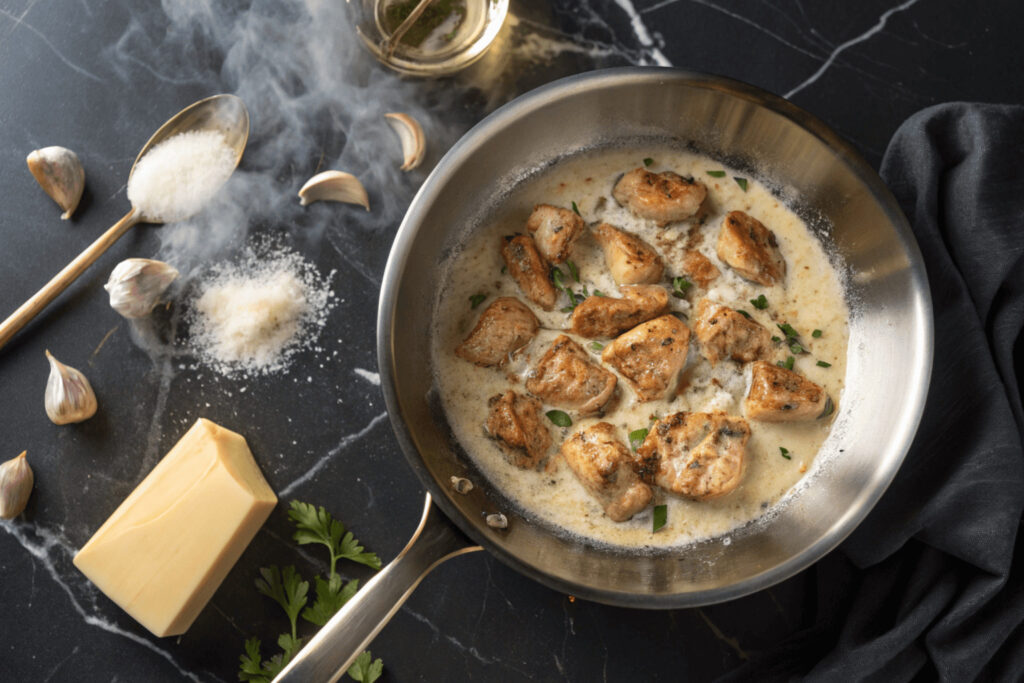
pixel 888 365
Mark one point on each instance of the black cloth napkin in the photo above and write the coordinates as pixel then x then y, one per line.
pixel 931 585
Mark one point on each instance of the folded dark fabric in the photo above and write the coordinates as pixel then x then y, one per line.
pixel 927 588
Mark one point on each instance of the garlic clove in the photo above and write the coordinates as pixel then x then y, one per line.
pixel 136 285
pixel 334 186
pixel 59 172
pixel 69 396
pixel 410 133
pixel 16 481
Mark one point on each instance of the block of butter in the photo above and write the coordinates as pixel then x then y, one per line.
pixel 166 549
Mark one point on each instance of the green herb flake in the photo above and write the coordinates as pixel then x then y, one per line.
pixel 598 292
pixel 559 417
pixel 797 348
pixel 365 668
pixel 680 285
pixel 636 437
pixel 744 313
pixel 648 161
pixel 760 303
pixel 788 363
pixel 597 346
pixel 476 300
pixel 742 182
pixel 816 334
pixel 576 209
pixel 823 364
pixel 788 330
pixel 660 517
pixel 558 278
pixel 567 309
pixel 316 525
pixel 784 452
pixel 829 408
pixel 504 269
pixel 716 174
pixel 776 339
pixel 573 270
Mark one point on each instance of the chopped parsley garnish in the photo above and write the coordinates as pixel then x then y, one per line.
pixel 716 174
pixel 823 364
pixel 598 292
pixel 476 300
pixel 784 452
pixel 636 437
pixel 660 517
pixel 760 303
pixel 743 313
pixel 567 309
pixel 576 209
pixel 788 330
pixel 776 339
pixel 680 285
pixel 648 161
pixel 829 409
pixel 788 363
pixel 559 417
pixel 796 348
pixel 597 346
pixel 742 182
pixel 816 334
pixel 573 270
pixel 558 278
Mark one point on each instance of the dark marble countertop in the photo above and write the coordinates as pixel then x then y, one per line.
pixel 99 77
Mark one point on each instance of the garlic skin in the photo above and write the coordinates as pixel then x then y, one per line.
pixel 59 172
pixel 334 186
pixel 410 134
pixel 16 480
pixel 136 285
pixel 69 396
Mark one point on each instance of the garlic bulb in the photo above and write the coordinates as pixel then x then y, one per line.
pixel 59 172
pixel 136 285
pixel 410 134
pixel 69 397
pixel 334 186
pixel 15 486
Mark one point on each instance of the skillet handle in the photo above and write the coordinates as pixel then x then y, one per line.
pixel 331 651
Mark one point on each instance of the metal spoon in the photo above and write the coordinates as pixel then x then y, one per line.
pixel 223 113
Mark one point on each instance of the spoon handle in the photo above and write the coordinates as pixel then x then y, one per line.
pixel 61 280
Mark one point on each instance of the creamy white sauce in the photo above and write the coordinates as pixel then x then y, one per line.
pixel 810 298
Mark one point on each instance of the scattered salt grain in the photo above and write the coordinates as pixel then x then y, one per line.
pixel 251 317
pixel 177 177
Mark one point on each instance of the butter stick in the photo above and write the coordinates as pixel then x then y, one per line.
pixel 162 554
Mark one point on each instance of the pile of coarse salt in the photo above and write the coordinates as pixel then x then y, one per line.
pixel 177 177
pixel 250 317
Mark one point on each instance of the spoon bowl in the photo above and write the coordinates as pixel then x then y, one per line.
pixel 225 114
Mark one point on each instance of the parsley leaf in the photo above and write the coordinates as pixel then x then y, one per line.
pixel 573 270
pixel 816 334
pixel 743 313
pixel 366 669
pixel 742 182
pixel 558 278
pixel 285 587
pixel 660 517
pixel 776 339
pixel 559 417
pixel 598 292
pixel 317 526
pixel 251 666
pixel 788 330
pixel 788 364
pixel 636 438
pixel 716 174
pixel 648 161
pixel 796 348
pixel 784 452
pixel 331 596
pixel 476 300
pixel 760 303
pixel 823 364
pixel 680 285
pixel 576 209
pixel 597 346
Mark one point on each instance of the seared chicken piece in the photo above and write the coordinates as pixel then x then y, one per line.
pixel 750 249
pixel 725 333
pixel 605 316
pixel 630 260
pixel 662 197
pixel 518 424
pixel 699 268
pixel 504 326
pixel 554 230
pixel 698 455
pixel 566 377
pixel 605 468
pixel 780 395
pixel 650 355
pixel 529 270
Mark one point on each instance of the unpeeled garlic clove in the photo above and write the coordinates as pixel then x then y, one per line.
pixel 136 285
pixel 16 481
pixel 69 396
pixel 59 172
pixel 334 186
pixel 410 133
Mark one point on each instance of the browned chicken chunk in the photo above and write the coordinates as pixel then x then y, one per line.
pixel 630 260
pixel 750 249
pixel 725 333
pixel 504 326
pixel 605 316
pixel 698 268
pixel 566 377
pixel 529 270
pixel 780 395
pixel 518 424
pixel 650 355
pixel 554 230
pixel 661 197
pixel 605 468
pixel 698 455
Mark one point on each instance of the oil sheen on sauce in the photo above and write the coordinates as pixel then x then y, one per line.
pixel 810 298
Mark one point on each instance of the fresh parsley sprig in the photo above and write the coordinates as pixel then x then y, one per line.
pixel 315 525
